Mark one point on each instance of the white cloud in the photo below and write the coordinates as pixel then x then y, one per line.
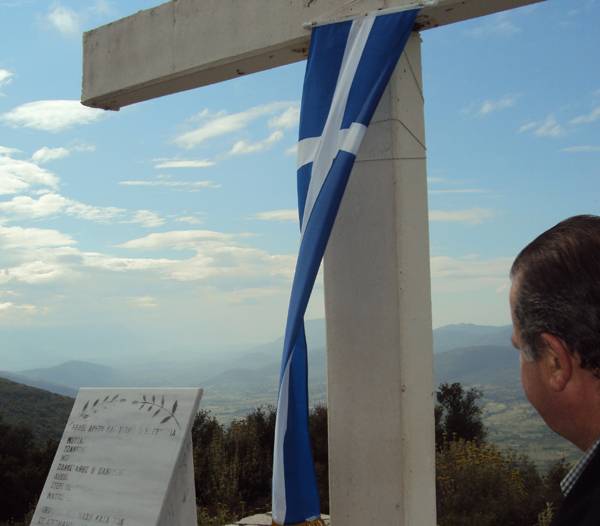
pixel 472 216
pixel 232 261
pixel 244 147
pixel 252 294
pixel 224 124
pixel 37 264
pixel 190 220
pixel 528 9
pixel 51 115
pixel 288 119
pixel 216 256
pixel 51 204
pixel 9 308
pixel 144 302
pixel 468 267
pixel 6 78
pixel 17 175
pixel 17 237
pixel 546 128
pixel 46 154
pixel 183 163
pixel 175 239
pixel 459 191
pixel 15 3
pixel 100 214
pixel 495 25
pixel 5 150
pixel 64 20
pixel 118 264
pixel 581 149
pixel 34 272
pixel 490 106
pixel 292 150
pixel 103 8
pixel 8 293
pixel 83 147
pixel 48 256
pixel 528 126
pixel 549 128
pixel 469 273
pixel 28 207
pixel 593 116
pixel 435 180
pixel 191 186
pixel 278 215
pixel 147 219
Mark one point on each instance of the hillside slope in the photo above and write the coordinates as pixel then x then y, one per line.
pixel 39 384
pixel 44 413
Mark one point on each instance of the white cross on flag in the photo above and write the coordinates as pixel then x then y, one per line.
pixel 349 66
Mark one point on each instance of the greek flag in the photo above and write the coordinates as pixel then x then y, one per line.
pixel 349 66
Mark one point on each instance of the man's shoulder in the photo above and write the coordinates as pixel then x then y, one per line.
pixel 581 507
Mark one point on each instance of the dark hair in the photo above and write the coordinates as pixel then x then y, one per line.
pixel 558 289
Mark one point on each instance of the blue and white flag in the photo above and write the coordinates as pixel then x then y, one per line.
pixel 349 66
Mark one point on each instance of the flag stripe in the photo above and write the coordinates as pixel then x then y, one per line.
pixel 348 140
pixel 327 149
pixel 324 65
pixel 384 38
pixel 279 506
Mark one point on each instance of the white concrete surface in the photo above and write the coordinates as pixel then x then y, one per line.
pixel 378 312
pixel 184 44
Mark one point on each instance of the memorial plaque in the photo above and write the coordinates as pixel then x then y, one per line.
pixel 125 459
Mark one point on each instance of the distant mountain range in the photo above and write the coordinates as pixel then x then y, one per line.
pixel 468 335
pixel 479 365
pixel 235 383
pixel 74 374
pixel 256 371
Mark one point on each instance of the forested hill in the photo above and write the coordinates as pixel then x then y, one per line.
pixel 44 413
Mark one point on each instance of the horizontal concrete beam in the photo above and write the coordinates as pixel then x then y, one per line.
pixel 184 44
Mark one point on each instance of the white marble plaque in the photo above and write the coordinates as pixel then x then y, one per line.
pixel 125 459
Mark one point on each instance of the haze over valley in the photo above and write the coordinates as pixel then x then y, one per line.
pixel 238 381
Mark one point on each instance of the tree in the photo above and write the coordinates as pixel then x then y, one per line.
pixel 233 465
pixel 479 485
pixel 208 438
pixel 23 470
pixel 458 415
pixel 317 422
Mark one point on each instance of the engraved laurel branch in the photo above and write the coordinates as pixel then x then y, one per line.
pixel 97 404
pixel 152 403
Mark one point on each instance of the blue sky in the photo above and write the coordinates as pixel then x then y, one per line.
pixel 173 220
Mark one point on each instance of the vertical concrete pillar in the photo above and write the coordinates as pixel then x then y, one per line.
pixel 378 310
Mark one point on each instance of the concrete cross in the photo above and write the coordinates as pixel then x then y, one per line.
pixel 377 280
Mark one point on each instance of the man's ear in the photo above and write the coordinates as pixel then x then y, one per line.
pixel 557 361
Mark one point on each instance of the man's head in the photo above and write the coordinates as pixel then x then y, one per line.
pixel 555 304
